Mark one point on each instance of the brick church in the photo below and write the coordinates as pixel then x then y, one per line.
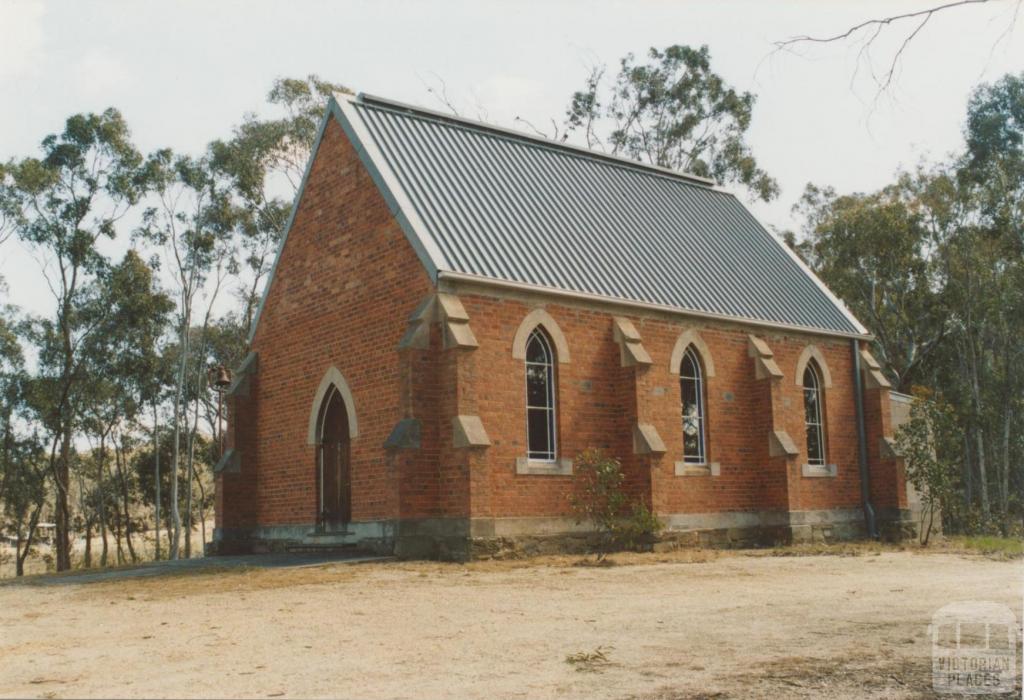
pixel 458 310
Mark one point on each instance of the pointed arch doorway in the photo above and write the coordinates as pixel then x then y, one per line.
pixel 334 463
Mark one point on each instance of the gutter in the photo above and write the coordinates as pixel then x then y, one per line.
pixel 862 443
pixel 457 277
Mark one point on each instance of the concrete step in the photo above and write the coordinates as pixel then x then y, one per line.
pixel 336 542
pixel 339 537
pixel 349 550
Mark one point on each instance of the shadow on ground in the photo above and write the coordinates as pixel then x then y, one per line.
pixel 284 560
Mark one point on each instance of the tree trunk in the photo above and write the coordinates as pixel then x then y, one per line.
pixel 156 469
pixel 979 445
pixel 202 512
pixel 968 473
pixel 104 561
pixel 979 432
pixel 21 555
pixel 191 471
pixel 168 530
pixel 117 536
pixel 1004 483
pixel 83 507
pixel 931 520
pixel 126 502
pixel 117 511
pixel 179 389
pixel 66 423
pixel 202 505
pixel 105 551
pixel 61 478
pixel 88 543
pixel 8 446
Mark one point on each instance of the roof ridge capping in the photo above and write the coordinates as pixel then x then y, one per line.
pixel 395 105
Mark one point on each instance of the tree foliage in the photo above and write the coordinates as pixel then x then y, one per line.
pixel 675 112
pixel 88 177
pixel 121 364
pixel 928 443
pixel 934 266
pixel 875 251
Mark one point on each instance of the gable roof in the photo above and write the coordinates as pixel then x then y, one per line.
pixel 496 205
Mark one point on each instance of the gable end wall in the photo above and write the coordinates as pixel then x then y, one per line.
pixel 344 286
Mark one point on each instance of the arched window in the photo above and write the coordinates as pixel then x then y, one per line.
pixel 813 401
pixel 540 397
pixel 691 389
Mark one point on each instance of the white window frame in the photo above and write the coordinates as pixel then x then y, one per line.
pixel 698 379
pixel 817 421
pixel 550 457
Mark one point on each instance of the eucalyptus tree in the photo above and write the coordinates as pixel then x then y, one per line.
pixel 154 486
pixel 197 387
pixel 877 252
pixel 98 418
pixel 672 111
pixel 12 378
pixel 987 274
pixel 154 392
pixel 61 204
pixel 193 222
pixel 934 266
pixel 23 469
pixel 135 314
pixel 8 202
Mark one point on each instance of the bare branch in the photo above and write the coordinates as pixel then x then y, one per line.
pixel 871 29
pixel 538 132
pixel 903 47
pixel 440 93
pixel 806 38
pixel 481 110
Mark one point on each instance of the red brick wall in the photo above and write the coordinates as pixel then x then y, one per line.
pixel 591 403
pixel 236 492
pixel 344 286
pixel 599 402
pixel 888 479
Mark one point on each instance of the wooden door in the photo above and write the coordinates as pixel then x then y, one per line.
pixel 336 500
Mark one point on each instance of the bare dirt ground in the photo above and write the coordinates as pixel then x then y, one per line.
pixel 680 625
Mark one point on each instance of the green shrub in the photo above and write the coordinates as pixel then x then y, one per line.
pixel 621 521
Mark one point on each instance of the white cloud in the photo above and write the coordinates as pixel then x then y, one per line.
pixel 21 36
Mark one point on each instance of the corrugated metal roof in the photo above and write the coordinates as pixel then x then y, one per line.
pixel 495 204
pixel 507 206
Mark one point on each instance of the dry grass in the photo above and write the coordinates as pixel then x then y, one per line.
pixel 590 661
pixel 991 546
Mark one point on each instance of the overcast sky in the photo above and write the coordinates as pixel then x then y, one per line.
pixel 183 73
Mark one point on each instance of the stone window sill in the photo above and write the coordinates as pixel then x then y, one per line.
pixel 560 467
pixel 691 469
pixel 819 470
